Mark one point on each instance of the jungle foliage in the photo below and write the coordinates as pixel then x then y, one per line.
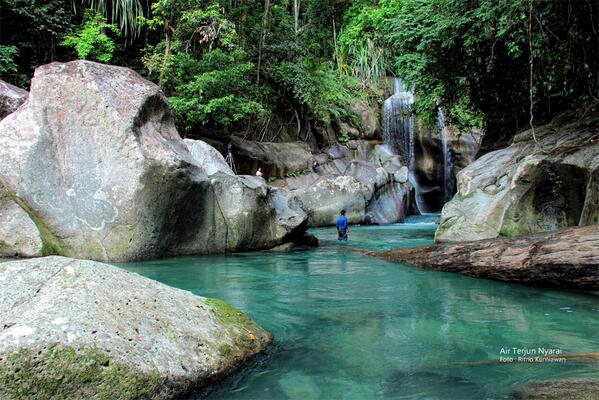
pixel 231 65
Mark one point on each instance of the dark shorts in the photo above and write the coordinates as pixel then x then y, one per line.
pixel 342 234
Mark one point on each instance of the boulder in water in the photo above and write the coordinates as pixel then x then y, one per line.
pixel 94 158
pixel 80 329
pixel 323 197
pixel 528 187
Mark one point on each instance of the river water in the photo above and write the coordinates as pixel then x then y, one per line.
pixel 348 326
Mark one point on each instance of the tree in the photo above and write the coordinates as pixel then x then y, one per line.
pixel 91 41
pixel 127 14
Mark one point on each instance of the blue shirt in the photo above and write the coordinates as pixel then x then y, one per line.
pixel 342 223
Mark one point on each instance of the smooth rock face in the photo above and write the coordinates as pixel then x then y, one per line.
pixel 11 97
pixel 19 236
pixel 362 177
pixel 94 155
pixel 324 197
pixel 527 188
pixel 82 329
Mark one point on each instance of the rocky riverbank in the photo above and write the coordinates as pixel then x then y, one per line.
pixel 530 186
pixel 565 259
pixel 80 329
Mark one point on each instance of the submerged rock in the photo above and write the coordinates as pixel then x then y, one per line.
pixel 95 159
pixel 81 329
pixel 528 188
pixel 11 98
pixel 572 389
pixel 565 259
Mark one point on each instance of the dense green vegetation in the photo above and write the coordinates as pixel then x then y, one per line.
pixel 242 66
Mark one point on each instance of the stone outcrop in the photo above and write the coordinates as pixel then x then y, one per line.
pixel 361 177
pixel 565 259
pixel 275 159
pixel 80 329
pixel 94 159
pixel 528 187
pixel 11 98
pixel 369 126
pixel 429 164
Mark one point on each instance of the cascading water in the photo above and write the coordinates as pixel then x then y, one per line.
pixel 398 131
pixel 398 123
pixel 448 179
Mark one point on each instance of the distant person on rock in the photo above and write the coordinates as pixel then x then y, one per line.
pixel 259 172
pixel 342 227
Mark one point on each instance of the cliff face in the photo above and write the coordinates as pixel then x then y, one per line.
pixel 529 187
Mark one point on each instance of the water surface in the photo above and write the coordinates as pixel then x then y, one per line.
pixel 348 326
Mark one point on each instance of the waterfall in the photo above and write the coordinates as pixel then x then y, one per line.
pixel 398 130
pixel 398 123
pixel 448 163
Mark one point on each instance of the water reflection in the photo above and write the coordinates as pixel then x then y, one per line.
pixel 348 326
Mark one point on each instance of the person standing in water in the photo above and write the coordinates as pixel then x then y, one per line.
pixel 342 227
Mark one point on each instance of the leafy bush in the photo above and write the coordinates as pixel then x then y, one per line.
pixel 91 41
pixel 8 54
pixel 215 90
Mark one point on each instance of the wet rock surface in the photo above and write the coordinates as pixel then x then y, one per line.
pixel 81 329
pixel 566 259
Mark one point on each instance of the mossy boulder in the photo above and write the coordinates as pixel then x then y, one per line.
pixel 80 329
pixel 530 186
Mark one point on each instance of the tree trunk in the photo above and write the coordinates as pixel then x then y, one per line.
pixel 296 12
pixel 262 37
pixel 335 43
pixel 566 259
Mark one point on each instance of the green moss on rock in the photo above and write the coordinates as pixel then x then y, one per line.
pixel 64 373
pixel 239 326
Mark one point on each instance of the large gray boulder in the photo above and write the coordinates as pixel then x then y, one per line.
pixel 95 159
pixel 75 329
pixel 528 187
pixel 19 236
pixel 322 197
pixel 11 98
pixel 363 177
